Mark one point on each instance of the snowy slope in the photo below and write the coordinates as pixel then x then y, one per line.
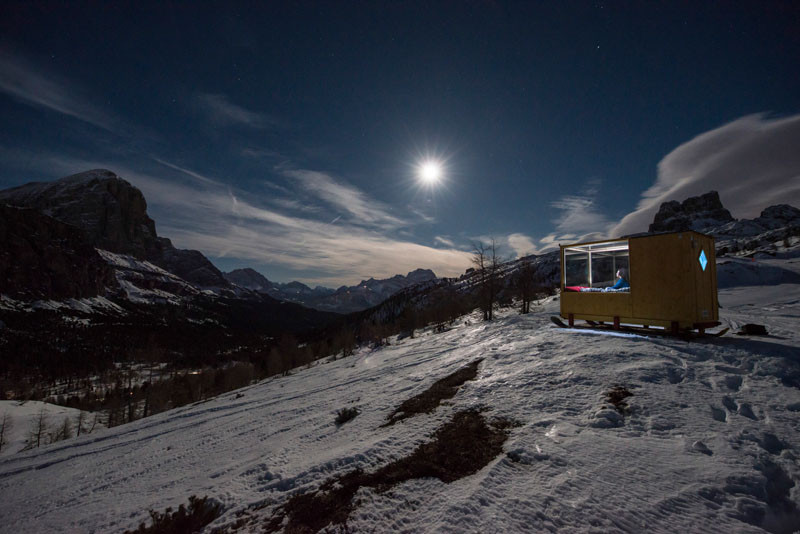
pixel 566 468
pixel 23 414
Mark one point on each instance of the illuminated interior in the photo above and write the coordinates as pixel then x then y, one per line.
pixel 595 265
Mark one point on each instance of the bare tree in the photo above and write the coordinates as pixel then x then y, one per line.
pixel 487 265
pixel 62 432
pixel 38 430
pixel 6 423
pixel 526 284
pixel 79 422
pixel 94 424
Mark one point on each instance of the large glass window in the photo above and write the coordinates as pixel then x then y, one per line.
pixel 595 267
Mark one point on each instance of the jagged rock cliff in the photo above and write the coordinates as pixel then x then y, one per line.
pixel 112 214
pixel 695 213
pixel 43 258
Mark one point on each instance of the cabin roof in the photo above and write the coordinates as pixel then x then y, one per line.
pixel 634 236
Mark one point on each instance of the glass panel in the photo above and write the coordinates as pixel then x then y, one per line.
pixel 604 259
pixel 576 265
pixel 603 270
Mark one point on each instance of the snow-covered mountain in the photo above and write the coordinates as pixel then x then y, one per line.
pixel 545 440
pixel 112 214
pixel 345 299
pixel 775 231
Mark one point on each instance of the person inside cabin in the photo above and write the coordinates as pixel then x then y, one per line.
pixel 622 280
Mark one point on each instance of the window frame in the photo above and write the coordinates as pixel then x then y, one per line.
pixel 596 247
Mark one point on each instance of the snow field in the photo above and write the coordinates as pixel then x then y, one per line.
pixel 574 465
pixel 23 414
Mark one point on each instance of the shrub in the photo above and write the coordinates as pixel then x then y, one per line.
pixel 346 414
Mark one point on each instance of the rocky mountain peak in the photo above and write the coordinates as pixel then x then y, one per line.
pixel 248 278
pixel 43 258
pixel 779 216
pixel 694 213
pixel 111 211
pixel 112 215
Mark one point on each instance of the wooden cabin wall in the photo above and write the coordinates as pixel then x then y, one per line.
pixel 662 285
pixel 705 281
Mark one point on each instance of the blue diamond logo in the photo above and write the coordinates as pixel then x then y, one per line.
pixel 703 260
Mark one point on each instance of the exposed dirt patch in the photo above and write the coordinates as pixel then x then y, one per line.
pixel 193 518
pixel 617 396
pixel 459 448
pixel 431 398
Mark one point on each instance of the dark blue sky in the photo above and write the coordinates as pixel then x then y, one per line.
pixel 286 136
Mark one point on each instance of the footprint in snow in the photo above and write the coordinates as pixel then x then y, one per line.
pixel 746 411
pixel 733 382
pixel 730 404
pixel 718 414
pixel 699 446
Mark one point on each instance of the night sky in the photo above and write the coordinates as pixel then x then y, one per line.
pixel 287 136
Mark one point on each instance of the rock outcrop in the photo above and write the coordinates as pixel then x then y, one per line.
pixel 110 211
pixel 43 258
pixel 113 216
pixel 695 213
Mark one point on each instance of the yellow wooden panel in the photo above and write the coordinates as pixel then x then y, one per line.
pixel 705 280
pixel 605 304
pixel 661 284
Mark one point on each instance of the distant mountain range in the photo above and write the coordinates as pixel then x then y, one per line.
pixel 345 299
pixel 89 235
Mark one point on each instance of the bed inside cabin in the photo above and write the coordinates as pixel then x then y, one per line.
pixel 592 267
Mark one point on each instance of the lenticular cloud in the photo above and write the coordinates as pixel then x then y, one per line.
pixel 753 162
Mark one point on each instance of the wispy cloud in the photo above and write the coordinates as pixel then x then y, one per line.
pixel 521 244
pixel 444 241
pixel 37 87
pixel 223 222
pixel 187 172
pixel 753 162
pixel 344 197
pixel 580 217
pixel 222 112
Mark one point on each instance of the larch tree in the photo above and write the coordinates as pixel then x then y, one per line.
pixel 487 265
pixel 6 423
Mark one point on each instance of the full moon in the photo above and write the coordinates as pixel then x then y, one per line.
pixel 430 172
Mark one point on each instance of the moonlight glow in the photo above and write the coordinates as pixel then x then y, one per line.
pixel 430 172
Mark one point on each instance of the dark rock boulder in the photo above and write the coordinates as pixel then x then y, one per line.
pixel 695 213
pixel 43 258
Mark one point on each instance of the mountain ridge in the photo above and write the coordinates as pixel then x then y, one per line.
pixel 344 299
pixel 113 215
